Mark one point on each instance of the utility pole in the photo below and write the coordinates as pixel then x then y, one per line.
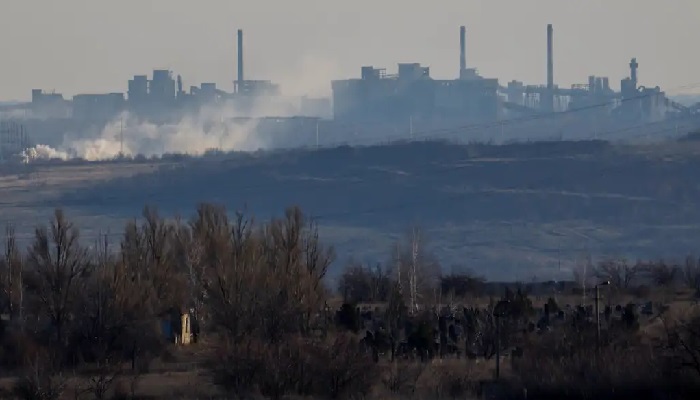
pixel 585 276
pixel 398 266
pixel 2 138
pixel 559 256
pixel 502 141
pixel 499 311
pixel 595 127
pixel 413 280
pixel 498 346
pixel 410 125
pixel 121 137
pixel 597 312
pixel 317 135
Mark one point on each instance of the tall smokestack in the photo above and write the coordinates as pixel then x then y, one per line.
pixel 240 55
pixel 550 58
pixel 462 50
pixel 550 69
pixel 633 71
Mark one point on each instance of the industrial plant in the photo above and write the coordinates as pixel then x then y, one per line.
pixel 376 102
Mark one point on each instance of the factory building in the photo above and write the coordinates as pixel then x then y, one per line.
pixel 155 96
pixel 316 107
pixel 159 90
pixel 639 102
pixel 51 105
pixel 377 102
pixel 252 88
pixel 413 93
pixel 98 106
pixel 162 87
pixel 138 90
pixel 377 96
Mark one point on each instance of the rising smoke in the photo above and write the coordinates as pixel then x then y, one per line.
pixel 211 128
pixel 214 126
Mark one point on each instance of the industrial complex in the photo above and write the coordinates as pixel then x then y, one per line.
pixel 376 101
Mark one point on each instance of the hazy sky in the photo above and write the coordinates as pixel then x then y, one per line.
pixel 93 46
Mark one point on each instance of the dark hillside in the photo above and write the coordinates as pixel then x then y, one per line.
pixel 495 208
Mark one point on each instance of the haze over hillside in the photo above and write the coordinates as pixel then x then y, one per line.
pixel 508 212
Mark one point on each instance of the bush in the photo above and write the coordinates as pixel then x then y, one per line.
pixel 329 369
pixel 556 369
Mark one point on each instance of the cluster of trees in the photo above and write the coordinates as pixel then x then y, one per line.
pixel 569 358
pixel 249 288
pixel 257 296
pixel 628 277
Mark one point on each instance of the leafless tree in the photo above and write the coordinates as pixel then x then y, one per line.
pixel 161 265
pixel 296 263
pixel 691 273
pixel 620 273
pixel 683 335
pixel 58 265
pixel 11 277
pixel 345 367
pixel 662 273
pixel 360 283
pixel 233 265
pixel 41 380
pixel 418 270
pixel 107 320
pixel 583 274
pixel 462 284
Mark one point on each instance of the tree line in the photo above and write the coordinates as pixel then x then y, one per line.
pixel 263 314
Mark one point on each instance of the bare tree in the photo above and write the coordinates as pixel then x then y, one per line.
pixel 418 269
pixel 683 341
pixel 58 266
pixel 11 277
pixel 233 260
pixel 620 273
pixel 360 283
pixel 161 266
pixel 461 284
pixel 662 274
pixel 691 274
pixel 296 262
pixel 583 273
pixel 106 318
pixel 193 266
pixel 41 380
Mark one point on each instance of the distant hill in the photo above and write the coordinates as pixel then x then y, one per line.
pixel 510 212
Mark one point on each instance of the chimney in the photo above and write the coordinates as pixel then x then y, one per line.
pixel 550 58
pixel 549 102
pixel 633 71
pixel 240 55
pixel 462 50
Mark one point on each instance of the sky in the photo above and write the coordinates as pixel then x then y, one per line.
pixel 95 46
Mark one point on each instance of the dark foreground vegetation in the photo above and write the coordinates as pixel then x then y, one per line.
pixel 104 321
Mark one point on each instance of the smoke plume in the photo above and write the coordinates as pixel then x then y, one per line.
pixel 213 127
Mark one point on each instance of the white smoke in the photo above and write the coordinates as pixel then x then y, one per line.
pixel 42 152
pixel 192 135
pixel 214 127
pixel 17 114
pixel 311 76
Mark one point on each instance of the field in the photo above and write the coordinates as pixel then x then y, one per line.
pixel 515 211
